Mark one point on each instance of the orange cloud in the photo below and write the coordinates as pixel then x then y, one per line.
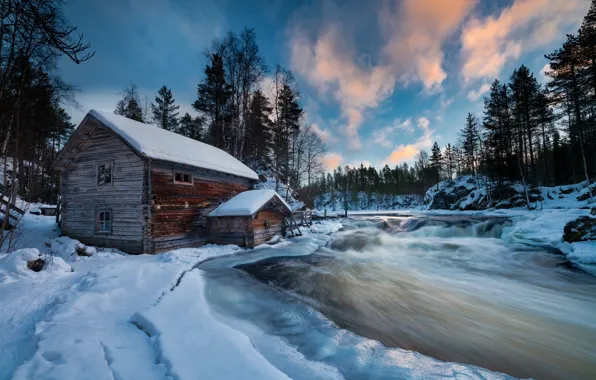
pixel 414 32
pixel 487 44
pixel 402 153
pixel 332 161
pixel 407 152
pixel 332 70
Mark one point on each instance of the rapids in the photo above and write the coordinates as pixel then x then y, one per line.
pixel 445 287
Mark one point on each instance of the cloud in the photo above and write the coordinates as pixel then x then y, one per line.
pixel 324 134
pixel 329 69
pixel 444 104
pixel 475 95
pixel 489 43
pixel 407 152
pixel 543 77
pixel 413 35
pixel 417 31
pixel 383 136
pixel 332 160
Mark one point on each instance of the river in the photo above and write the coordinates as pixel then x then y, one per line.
pixel 407 297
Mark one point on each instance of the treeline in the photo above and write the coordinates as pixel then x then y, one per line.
pixel 34 34
pixel 366 187
pixel 260 126
pixel 539 135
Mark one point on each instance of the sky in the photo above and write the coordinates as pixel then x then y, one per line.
pixel 379 80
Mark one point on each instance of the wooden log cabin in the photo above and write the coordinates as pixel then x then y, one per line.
pixel 250 218
pixel 142 189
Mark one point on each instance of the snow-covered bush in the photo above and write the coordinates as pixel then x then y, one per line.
pixel 27 261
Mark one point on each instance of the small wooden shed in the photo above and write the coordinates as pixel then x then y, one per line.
pixel 249 219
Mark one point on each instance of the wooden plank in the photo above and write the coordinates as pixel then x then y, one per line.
pixel 12 206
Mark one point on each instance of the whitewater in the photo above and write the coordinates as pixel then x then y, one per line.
pixel 440 296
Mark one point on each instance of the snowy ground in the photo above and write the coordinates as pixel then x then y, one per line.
pixel 118 316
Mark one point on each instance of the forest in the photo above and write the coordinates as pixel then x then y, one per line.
pixel 34 35
pixel 260 124
pixel 233 111
pixel 533 133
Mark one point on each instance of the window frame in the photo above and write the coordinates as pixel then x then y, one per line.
pixel 183 173
pixel 98 167
pixel 99 222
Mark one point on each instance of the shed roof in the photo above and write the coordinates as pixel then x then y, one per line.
pixel 248 203
pixel 159 144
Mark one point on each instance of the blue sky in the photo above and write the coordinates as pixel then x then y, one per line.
pixel 380 80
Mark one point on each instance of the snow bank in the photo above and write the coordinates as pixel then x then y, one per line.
pixel 247 203
pixel 86 332
pixel 584 252
pixel 466 192
pixel 545 228
pixel 197 336
pixel 160 144
pixel 325 227
pixel 14 265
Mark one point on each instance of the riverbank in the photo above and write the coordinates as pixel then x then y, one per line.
pixel 118 316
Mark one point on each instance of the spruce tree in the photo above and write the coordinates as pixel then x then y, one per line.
pixel 436 162
pixel 469 138
pixel 130 104
pixel 164 110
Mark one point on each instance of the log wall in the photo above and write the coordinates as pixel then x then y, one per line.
pixel 82 197
pixel 261 232
pixel 179 211
pixel 232 230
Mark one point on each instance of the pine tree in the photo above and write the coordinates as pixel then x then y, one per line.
pixel 164 110
pixel 288 113
pixel 436 162
pixel 469 137
pixel 524 93
pixel 497 132
pixel 130 104
pixel 258 144
pixel 566 89
pixel 213 100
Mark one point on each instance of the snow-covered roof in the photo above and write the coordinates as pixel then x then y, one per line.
pixel 247 203
pixel 157 143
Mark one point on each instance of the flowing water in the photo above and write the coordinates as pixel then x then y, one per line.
pixel 447 288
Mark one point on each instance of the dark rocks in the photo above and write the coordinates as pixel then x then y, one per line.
pixel 83 250
pixel 36 265
pixel 580 229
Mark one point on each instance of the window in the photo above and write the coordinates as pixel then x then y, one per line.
pixel 183 178
pixel 104 174
pixel 104 222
